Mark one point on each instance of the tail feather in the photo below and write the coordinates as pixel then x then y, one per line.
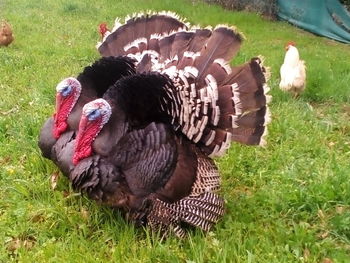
pixel 201 211
pixel 250 136
pixel 180 43
pixel 183 47
pixel 141 26
pixel 194 45
pixel 165 45
pixel 199 40
pixel 218 71
pixel 189 42
pixel 145 64
pixel 216 141
pixel 226 104
pixel 224 43
pixel 249 120
pixel 202 208
pixel 208 178
pixel 165 22
pixel 210 102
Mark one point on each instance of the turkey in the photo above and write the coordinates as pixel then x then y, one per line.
pixel 73 93
pixel 146 146
pixel 293 71
pixel 157 178
pixel 146 142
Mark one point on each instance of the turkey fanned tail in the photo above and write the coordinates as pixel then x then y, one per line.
pixel 209 101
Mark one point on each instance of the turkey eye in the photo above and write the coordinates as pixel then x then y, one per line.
pixel 94 114
pixel 66 91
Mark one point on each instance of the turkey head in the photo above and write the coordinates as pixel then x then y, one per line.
pixel 94 116
pixel 67 94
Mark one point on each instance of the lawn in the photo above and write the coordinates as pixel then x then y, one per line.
pixel 287 202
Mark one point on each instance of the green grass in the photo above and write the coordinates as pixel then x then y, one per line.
pixel 288 202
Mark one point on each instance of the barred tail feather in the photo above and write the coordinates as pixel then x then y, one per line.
pixel 208 178
pixel 181 47
pixel 227 104
pixel 250 100
pixel 165 45
pixel 224 43
pixel 201 211
pixel 185 42
pixel 141 26
pixel 202 208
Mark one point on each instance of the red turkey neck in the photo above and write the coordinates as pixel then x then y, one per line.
pixel 87 133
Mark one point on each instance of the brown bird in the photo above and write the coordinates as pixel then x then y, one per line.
pixel 6 36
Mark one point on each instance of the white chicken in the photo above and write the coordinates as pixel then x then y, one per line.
pixel 293 71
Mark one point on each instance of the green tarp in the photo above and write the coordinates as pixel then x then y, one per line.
pixel 323 17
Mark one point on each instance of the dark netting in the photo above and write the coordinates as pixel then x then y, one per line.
pixel 329 18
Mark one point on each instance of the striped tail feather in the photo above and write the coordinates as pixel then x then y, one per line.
pixel 174 46
pixel 133 35
pixel 208 178
pixel 243 109
pixel 224 44
pixel 226 104
pixel 199 48
pixel 202 208
pixel 202 211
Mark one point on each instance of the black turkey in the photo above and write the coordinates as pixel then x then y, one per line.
pixel 146 146
pixel 159 179
pixel 72 94
pixel 145 143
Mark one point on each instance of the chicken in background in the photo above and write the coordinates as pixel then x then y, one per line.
pixel 103 29
pixel 293 71
pixel 6 36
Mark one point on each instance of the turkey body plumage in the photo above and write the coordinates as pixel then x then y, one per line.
pixel 157 178
pixel 145 147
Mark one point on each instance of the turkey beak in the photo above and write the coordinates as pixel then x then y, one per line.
pixel 58 105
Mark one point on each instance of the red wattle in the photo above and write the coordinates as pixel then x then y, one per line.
pixel 88 130
pixel 63 108
pixel 82 155
pixel 59 129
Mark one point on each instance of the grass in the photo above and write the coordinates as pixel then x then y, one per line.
pixel 288 202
